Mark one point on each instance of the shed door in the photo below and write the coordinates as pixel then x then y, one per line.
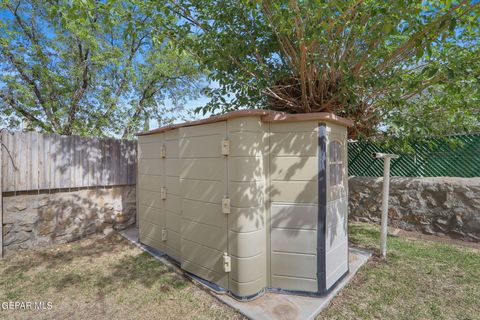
pixel 203 183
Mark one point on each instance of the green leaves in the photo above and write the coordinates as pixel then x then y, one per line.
pixel 379 63
pixel 91 67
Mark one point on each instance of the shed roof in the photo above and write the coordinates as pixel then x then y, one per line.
pixel 265 115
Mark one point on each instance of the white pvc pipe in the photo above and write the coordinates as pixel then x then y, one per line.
pixel 385 192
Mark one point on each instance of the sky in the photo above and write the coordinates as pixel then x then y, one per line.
pixel 190 104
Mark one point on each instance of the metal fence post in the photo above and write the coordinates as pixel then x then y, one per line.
pixel 386 189
pixel 385 192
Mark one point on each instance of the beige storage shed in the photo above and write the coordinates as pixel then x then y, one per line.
pixel 249 200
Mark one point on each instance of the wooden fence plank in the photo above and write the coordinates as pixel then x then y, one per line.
pixel 132 160
pixel 116 155
pixel 1 196
pixel 49 173
pixel 8 168
pixel 43 162
pixel 123 174
pixel 3 163
pixel 76 151
pixel 111 162
pixel 52 155
pixel 64 181
pixel 105 163
pixel 50 161
pixel 86 160
pixel 20 161
pixel 34 152
pixel 95 156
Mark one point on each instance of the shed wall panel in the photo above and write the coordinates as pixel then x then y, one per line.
pixel 150 234
pixel 203 169
pixel 203 177
pixel 294 265
pixel 150 206
pixel 294 241
pixel 247 194
pixel 252 286
pixel 206 235
pixel 150 215
pixel 171 167
pixel 246 169
pixel 200 147
pixel 150 150
pixel 247 270
pixel 150 167
pixel 204 130
pixel 172 202
pixel 299 144
pixel 299 216
pixel 294 168
pixel 247 187
pixel 204 212
pixel 201 190
pixel 173 222
pixel 220 278
pixel 271 178
pixel 293 192
pixel 150 198
pixel 294 283
pixel 336 231
pixel 150 182
pixel 247 219
pixel 246 144
pixel 171 147
pixel 246 244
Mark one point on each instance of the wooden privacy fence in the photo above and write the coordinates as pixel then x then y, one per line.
pixel 33 161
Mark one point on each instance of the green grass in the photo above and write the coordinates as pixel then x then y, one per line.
pixel 102 278
pixel 109 278
pixel 419 280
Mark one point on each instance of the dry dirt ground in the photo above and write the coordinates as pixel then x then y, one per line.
pixel 102 278
pixel 109 278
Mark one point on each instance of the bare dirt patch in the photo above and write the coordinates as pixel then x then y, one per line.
pixel 102 278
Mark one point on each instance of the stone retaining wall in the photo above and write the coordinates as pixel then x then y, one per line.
pixel 442 206
pixel 32 220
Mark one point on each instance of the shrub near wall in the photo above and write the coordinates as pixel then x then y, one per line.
pixel 440 205
pixel 32 220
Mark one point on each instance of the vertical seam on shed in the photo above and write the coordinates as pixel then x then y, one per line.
pixel 227 182
pixel 268 224
pixel 164 210
pixel 321 202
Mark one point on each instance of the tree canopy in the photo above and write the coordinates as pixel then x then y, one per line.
pixel 90 67
pixel 400 68
pixel 405 68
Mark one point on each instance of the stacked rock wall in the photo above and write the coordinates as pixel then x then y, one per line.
pixel 33 220
pixel 440 205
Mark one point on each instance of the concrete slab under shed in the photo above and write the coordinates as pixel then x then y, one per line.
pixel 272 305
pixel 279 306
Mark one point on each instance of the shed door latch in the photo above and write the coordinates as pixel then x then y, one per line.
pixel 163 193
pixel 226 205
pixel 164 151
pixel 227 262
pixel 225 147
pixel 164 234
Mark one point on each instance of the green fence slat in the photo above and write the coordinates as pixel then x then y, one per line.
pixel 432 158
